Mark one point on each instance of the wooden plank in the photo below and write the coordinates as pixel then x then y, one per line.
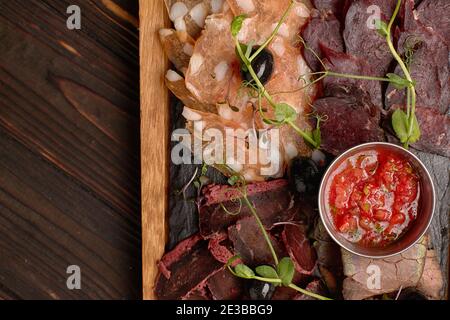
pixel 154 140
pixel 69 150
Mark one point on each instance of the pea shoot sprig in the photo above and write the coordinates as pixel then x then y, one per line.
pixel 283 272
pixel 404 124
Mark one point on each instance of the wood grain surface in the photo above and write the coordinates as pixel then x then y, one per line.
pixel 154 140
pixel 69 150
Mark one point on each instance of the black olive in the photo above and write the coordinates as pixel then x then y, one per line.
pixel 259 290
pixel 305 175
pixel 411 294
pixel 263 66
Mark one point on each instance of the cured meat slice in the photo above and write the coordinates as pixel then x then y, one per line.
pixel 190 15
pixel 272 200
pixel 361 37
pixel 176 279
pixel 344 63
pixel 431 282
pixel 263 16
pixel 336 7
pixel 429 68
pixel 225 286
pixel 350 121
pixel 209 74
pixel 321 31
pixel 178 46
pixel 434 14
pixel 403 270
pixel 249 243
pixel 299 248
pixel 175 83
pixel 214 77
pixel 435 131
pixel 220 248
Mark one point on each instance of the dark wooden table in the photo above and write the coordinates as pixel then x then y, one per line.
pixel 69 150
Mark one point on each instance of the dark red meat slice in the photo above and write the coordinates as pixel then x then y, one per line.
pixel 429 66
pixel 335 7
pixel 177 279
pixel 322 31
pixel 250 244
pixel 435 14
pixel 220 247
pixel 344 63
pixel 273 201
pixel 435 131
pixel 225 286
pixel 199 293
pixel 350 122
pixel 364 42
pixel 299 248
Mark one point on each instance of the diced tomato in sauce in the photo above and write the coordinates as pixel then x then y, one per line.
pixel 374 198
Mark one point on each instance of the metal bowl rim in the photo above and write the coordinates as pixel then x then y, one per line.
pixel 343 155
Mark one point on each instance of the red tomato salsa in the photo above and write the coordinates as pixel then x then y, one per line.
pixel 374 197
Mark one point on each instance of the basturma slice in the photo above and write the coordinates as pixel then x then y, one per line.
pixel 351 121
pixel 273 201
pixel 249 243
pixel 299 248
pixel 176 279
pixel 400 271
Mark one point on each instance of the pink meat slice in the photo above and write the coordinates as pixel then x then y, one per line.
pixel 176 279
pixel 299 248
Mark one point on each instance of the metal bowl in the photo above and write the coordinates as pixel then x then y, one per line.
pixel 418 227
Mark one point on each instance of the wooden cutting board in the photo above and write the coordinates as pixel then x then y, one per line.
pixel 154 139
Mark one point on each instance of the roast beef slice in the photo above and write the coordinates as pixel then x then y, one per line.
pixel 225 286
pixel 348 64
pixel 249 243
pixel 431 282
pixel 337 8
pixel 321 31
pixel 429 66
pixel 299 248
pixel 435 131
pixel 176 279
pixel 434 14
pixel 400 271
pixel 273 201
pixel 349 122
pixel 362 39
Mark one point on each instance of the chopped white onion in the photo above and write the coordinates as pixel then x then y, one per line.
pixel 191 115
pixel 180 24
pixel 318 157
pixel 301 10
pixel 283 31
pixel 178 10
pixel 221 70
pixel 246 5
pixel 291 151
pixel 165 32
pixel 172 76
pixel 216 6
pixel 198 14
pixel 195 63
pixel 278 47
